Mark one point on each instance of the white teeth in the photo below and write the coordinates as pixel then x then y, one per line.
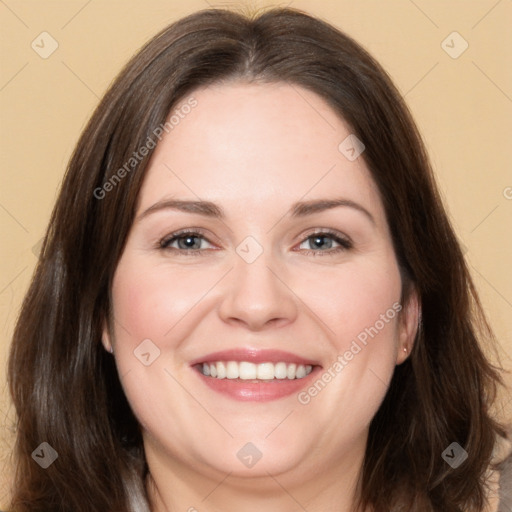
pixel 265 371
pixel 280 371
pixel 221 370
pixel 246 370
pixel 232 370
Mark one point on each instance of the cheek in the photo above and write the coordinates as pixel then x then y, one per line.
pixel 361 302
pixel 149 303
pixel 361 309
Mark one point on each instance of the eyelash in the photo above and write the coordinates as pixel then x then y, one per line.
pixel 344 243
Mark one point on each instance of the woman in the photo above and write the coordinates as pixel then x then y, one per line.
pixel 250 294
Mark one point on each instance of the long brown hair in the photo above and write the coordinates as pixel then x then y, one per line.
pixel 64 385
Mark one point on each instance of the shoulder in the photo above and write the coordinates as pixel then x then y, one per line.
pixel 500 479
pixel 505 484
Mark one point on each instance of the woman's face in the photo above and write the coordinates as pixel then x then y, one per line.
pixel 289 281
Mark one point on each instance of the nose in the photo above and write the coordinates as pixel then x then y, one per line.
pixel 257 295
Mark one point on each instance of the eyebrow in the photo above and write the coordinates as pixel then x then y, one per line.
pixel 212 210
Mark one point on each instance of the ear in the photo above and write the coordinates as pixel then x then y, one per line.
pixel 408 323
pixel 105 337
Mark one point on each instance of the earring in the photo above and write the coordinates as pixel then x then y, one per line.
pixel 405 349
pixel 111 349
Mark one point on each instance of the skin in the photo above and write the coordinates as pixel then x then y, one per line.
pixel 254 150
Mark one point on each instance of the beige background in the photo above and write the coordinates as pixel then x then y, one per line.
pixel 462 105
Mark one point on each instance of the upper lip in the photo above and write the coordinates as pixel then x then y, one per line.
pixel 254 355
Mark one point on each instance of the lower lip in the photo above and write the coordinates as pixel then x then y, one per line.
pixel 261 391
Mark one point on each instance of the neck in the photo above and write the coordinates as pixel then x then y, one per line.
pixel 174 486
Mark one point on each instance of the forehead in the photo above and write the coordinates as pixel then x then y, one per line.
pixel 244 145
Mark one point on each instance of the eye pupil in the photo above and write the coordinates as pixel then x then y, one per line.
pixel 188 241
pixel 320 241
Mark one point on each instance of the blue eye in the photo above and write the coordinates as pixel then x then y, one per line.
pixel 322 243
pixel 188 242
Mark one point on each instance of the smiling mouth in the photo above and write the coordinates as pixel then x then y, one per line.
pixel 247 371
